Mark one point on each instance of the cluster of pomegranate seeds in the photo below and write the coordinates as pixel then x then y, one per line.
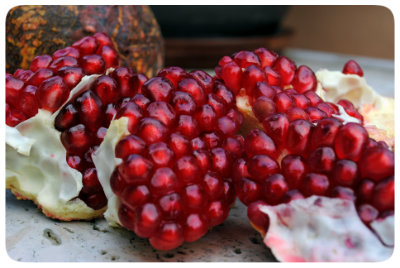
pixel 84 120
pixel 47 83
pixel 175 179
pixel 306 147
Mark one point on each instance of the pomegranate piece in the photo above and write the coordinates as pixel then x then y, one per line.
pixel 304 79
pixel 181 150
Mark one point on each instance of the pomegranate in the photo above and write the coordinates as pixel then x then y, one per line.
pixel 165 163
pixel 69 99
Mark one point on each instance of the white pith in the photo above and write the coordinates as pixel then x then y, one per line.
pixel 322 229
pixel 36 166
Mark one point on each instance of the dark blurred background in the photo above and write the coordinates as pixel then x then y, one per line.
pixel 197 36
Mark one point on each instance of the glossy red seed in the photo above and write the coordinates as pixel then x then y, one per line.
pixel 291 195
pixel 67 51
pixel 246 58
pixel 39 76
pixel 313 97
pixel 364 190
pixel 213 186
pixel 106 89
pixel 225 94
pixel 226 126
pixel 138 82
pixel 217 104
pixel 345 172
pixel 298 136
pixel 204 79
pixel 191 86
pixel 267 57
pixel 263 89
pixel 179 144
pixel 27 102
pixel 152 130
pixel 136 169
pixel 162 111
pixel 87 45
pixel 66 61
pixel 76 162
pixel 194 227
pixel 315 114
pixel 109 113
pixel 257 217
pixel 220 161
pixel 247 190
pixel 103 39
pixel 147 220
pixel 216 213
pixel 76 139
pixel 377 163
pixel 188 126
pixel 273 78
pixel 173 74
pixel 383 194
pixel 352 67
pixel 158 89
pixel 171 206
pixel 257 142
pixel 276 126
pixel 304 79
pixel 129 145
pixel 262 166
pixel 90 111
pixel 52 93
pixel 231 73
pixel 96 200
pixel 314 184
pixel 127 217
pixel 67 117
pixel 297 113
pixel 211 140
pixel 194 197
pixel 350 141
pixel 321 160
pixel 301 101
pixel 40 62
pixel 263 107
pixel 164 181
pixel 71 75
pixel 234 146
pixel 90 181
pixel 206 117
pixel 183 102
pixel 24 75
pixel 14 117
pixel 168 236
pixel 327 108
pixel 293 168
pixel 93 64
pixel 346 193
pixel 117 183
pixel 324 133
pixel 110 57
pixel 141 101
pixel 160 154
pixel 275 187
pixel 124 77
pixel 286 68
pixel 203 159
pixel 283 102
pixel 250 77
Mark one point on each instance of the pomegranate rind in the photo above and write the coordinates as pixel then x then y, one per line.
pixel 377 110
pixel 318 229
pixel 105 161
pixel 36 166
pixel 36 169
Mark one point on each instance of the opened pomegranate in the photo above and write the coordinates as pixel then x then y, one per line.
pixel 298 145
pixel 58 112
pixel 165 162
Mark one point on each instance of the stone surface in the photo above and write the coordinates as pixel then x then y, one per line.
pixel 30 236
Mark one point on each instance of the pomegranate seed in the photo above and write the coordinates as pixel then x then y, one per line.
pixel 273 78
pixel 39 76
pixel 152 130
pixel 14 117
pixel 52 93
pixel 220 161
pixel 194 197
pixel 377 163
pixel 301 101
pixel 110 57
pixel 204 79
pixel 117 183
pixel 315 113
pixel 345 172
pixel 275 187
pixel 203 159
pixel 257 217
pixel 141 101
pixel 168 236
pixel 183 103
pixel 233 145
pixel 171 206
pixel 174 74
pixel 327 108
pixel 158 89
pixel 324 133
pixel 313 97
pixel 76 139
pixel 191 86
pixel 164 181
pixel 292 195
pixel 106 89
pixel 195 226
pixel 322 160
pixel 294 169
pixel 86 46
pixel 160 154
pixel 89 108
pixel 76 162
pixel 263 107
pixel 283 102
pixel 267 57
pixel 206 117
pixel 179 144
pixel 276 126
pixel 257 142
pixel 211 140
pixel 304 79
pixel 40 62
pixel 383 195
pixel 147 220
pixel 109 113
pixel 24 75
pixel 133 112
pixel 127 217
pixel 247 190
pixel 216 213
pixel 352 67
pixel 231 73
pixel 225 94
pixel 298 136
pixel 263 89
pixel 343 193
pixel 286 68
pixel 314 184
pixel 96 200
pixel 213 186
pixel 67 51
pixel 250 77
pixel 188 126
pixel 136 169
pixel 246 58
pixel 297 113
pixel 93 64
pixel 90 181
pixel 66 61
pixel 103 39
pixel 71 75
pixel 124 77
pixel 261 166
pixel 161 111
pixel 349 141
pixel 129 145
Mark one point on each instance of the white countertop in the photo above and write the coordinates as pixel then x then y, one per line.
pixel 30 236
